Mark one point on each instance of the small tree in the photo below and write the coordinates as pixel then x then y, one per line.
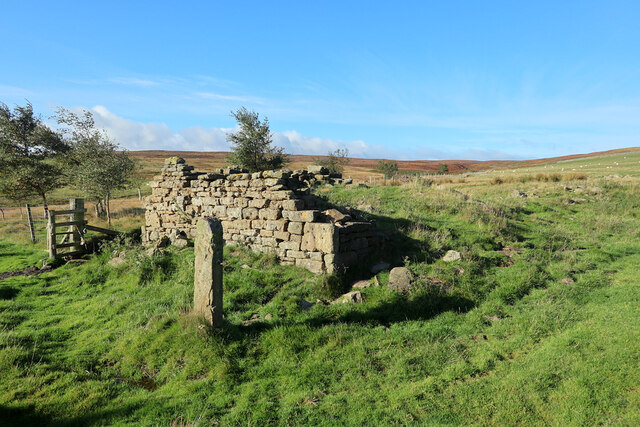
pixel 251 144
pixel 100 165
pixel 388 168
pixel 335 160
pixel 443 169
pixel 29 153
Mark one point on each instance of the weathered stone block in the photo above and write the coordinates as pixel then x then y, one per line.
pixel 296 254
pixel 270 214
pixel 238 176
pixel 234 213
pixel 250 213
pixel 276 225
pixel 270 241
pixel 281 235
pixel 295 227
pixel 270 182
pixel 314 266
pixel 325 236
pixel 259 203
pixel 300 216
pixel 291 246
pixel 308 242
pixel 278 195
pixel 241 202
pixel 317 256
pixel 293 205
pixel 220 211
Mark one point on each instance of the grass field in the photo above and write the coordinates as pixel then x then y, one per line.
pixel 537 324
pixel 151 161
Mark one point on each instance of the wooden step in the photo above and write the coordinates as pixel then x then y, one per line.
pixel 67 245
pixel 71 254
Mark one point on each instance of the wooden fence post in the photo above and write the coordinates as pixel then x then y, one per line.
pixel 78 216
pixel 30 219
pixel 207 281
pixel 51 235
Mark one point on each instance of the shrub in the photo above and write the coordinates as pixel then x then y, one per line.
pixel 388 168
pixel 335 160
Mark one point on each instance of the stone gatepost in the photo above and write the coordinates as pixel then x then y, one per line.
pixel 207 283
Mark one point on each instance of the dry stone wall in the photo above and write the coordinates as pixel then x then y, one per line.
pixel 269 211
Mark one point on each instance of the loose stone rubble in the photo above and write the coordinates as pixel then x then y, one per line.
pixel 269 211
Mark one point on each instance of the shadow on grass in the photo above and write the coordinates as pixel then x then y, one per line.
pixel 28 415
pixel 399 308
pixel 8 293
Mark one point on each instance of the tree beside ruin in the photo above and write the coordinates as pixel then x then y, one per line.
pixel 30 154
pixel 252 143
pixel 98 165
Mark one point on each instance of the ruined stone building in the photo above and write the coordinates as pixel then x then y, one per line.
pixel 269 211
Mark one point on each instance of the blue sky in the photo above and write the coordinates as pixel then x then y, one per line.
pixel 403 80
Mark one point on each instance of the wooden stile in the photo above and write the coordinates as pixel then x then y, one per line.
pixel 76 227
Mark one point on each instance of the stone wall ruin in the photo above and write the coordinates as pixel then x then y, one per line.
pixel 269 211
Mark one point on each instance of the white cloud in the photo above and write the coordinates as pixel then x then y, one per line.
pixel 294 142
pixel 158 136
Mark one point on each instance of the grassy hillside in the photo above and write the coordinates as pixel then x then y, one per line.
pixel 537 324
pixel 151 162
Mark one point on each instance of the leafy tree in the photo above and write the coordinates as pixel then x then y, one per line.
pixel 388 168
pixel 30 155
pixel 335 160
pixel 251 143
pixel 444 168
pixel 100 165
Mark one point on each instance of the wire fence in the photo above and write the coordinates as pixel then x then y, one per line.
pixel 15 221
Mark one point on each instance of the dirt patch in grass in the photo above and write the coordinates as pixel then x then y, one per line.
pixel 29 271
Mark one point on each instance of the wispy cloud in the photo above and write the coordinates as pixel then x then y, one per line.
pixel 234 98
pixel 134 81
pixel 13 91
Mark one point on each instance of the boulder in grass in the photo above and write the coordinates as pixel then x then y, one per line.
pixel 349 297
pixel 452 256
pixel 401 279
pixel 361 284
pixel 117 261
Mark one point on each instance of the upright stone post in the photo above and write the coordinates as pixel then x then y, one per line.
pixel 207 283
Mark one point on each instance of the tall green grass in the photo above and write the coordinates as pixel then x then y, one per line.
pixel 537 324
